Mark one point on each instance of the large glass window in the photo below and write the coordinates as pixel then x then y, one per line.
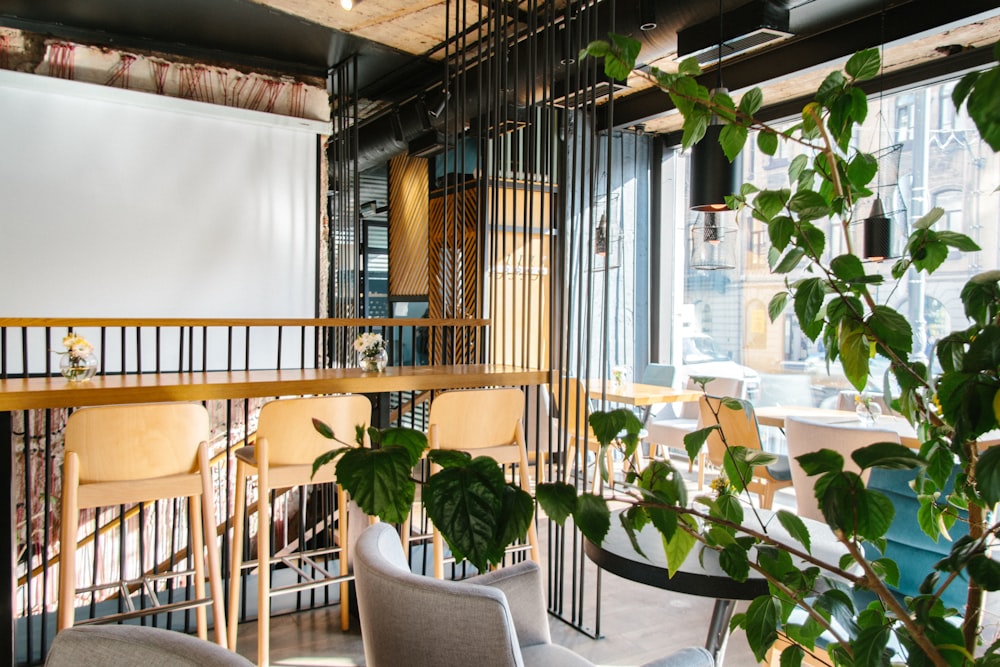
pixel 942 163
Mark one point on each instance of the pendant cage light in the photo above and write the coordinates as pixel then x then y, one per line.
pixel 606 232
pixel 714 241
pixel 883 210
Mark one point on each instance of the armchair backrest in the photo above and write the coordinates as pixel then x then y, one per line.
pixel 409 619
pixel 913 550
pixel 804 435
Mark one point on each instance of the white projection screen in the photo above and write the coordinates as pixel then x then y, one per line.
pixel 126 204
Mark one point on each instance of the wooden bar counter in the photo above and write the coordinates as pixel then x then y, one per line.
pixel 56 392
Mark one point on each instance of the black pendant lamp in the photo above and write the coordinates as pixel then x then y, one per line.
pixel 713 242
pixel 878 233
pixel 713 176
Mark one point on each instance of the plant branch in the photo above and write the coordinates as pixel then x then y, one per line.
pixel 771 579
pixel 766 539
pixel 873 582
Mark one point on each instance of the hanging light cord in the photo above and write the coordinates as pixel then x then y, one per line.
pixel 881 93
pixel 719 72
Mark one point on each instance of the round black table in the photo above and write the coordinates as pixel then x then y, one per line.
pixel 700 573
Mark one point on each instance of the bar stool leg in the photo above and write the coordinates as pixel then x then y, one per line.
pixel 342 535
pixel 214 566
pixel 263 555
pixel 198 556
pixel 67 545
pixel 236 552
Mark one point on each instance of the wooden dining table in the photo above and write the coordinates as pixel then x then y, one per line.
pixel 30 393
pixel 643 396
pixel 777 414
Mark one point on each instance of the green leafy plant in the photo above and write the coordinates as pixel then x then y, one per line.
pixel 478 512
pixel 834 302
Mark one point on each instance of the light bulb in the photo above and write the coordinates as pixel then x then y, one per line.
pixel 347 4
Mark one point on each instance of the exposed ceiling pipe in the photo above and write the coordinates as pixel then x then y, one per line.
pixel 653 23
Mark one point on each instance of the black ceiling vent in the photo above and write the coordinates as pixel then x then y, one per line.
pixel 743 29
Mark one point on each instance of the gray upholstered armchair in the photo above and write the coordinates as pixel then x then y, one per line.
pixel 497 619
pixel 130 645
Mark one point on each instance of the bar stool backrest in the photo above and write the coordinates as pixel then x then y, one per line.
pixel 134 442
pixel 477 419
pixel 288 427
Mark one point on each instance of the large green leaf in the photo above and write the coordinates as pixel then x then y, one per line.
pixel 776 307
pixel 619 424
pixel 557 500
pixel 863 65
pixel 679 545
pixel 736 467
pixel 768 203
pixel 796 528
pixel 832 85
pixel 327 457
pixel 986 572
pixel 988 475
pixel 733 138
pixel 809 205
pixel 862 169
pixel 762 618
pixel 619 56
pixel 694 441
pixel 981 105
pixel 812 239
pixel 847 267
pixel 967 402
pixel 892 329
pixel 767 142
pixel 414 441
pixel 984 351
pixel 887 455
pixel 808 301
pixel 465 504
pixel 981 297
pixel 516 514
pixel 592 517
pixel 751 102
pixel 734 561
pixel 847 505
pixel 855 352
pixel 379 481
pixel 870 646
pixel 780 229
pixel 821 462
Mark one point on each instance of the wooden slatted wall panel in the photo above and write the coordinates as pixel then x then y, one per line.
pixel 453 267
pixel 408 226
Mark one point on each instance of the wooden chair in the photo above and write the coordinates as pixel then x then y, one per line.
pixel 740 428
pixel 286 445
pixel 806 436
pixel 120 455
pixel 482 422
pixel 667 429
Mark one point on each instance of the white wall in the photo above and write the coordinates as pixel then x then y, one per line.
pixel 115 203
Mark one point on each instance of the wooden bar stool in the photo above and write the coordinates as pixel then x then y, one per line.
pixel 482 422
pixel 573 405
pixel 286 445
pixel 120 455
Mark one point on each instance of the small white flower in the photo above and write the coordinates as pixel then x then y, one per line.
pixel 369 344
pixel 77 347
